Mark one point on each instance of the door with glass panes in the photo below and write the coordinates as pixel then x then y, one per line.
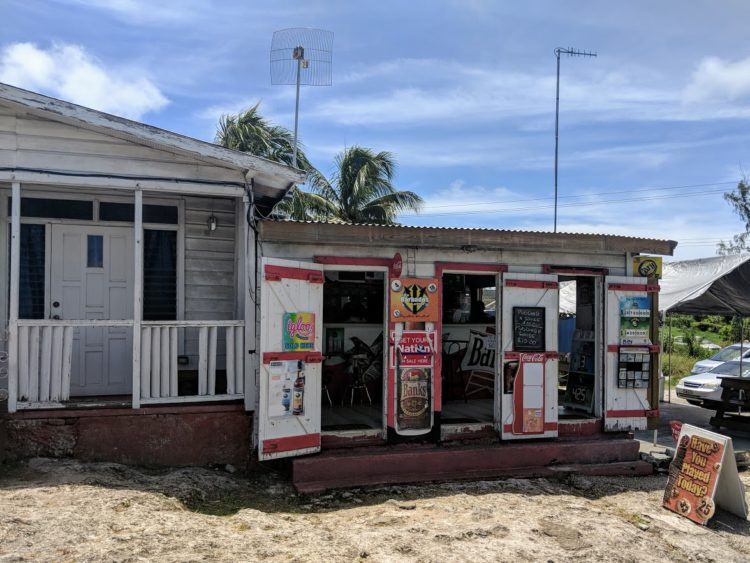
pixel 91 277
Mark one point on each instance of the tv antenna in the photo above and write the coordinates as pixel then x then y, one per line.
pixel 571 52
pixel 301 55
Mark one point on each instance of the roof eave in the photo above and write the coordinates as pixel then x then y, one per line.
pixel 436 237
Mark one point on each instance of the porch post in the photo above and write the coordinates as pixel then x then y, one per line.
pixel 137 297
pixel 249 297
pixel 15 268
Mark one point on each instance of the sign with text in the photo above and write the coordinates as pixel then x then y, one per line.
pixel 647 266
pixel 635 320
pixel 416 348
pixel 528 395
pixel 298 332
pixel 414 400
pixel 480 353
pixel 703 475
pixel 414 300
pixel 529 326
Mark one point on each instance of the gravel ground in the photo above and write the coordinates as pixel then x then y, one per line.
pixel 65 510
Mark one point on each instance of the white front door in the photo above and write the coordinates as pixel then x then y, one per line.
pixel 91 277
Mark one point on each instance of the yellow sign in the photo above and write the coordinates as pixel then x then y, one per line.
pixel 647 266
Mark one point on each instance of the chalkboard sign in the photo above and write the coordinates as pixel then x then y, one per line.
pixel 528 329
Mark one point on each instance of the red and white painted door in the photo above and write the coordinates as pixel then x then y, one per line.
pixel 530 311
pixel 629 353
pixel 291 360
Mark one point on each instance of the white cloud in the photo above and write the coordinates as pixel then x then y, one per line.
pixel 719 80
pixel 404 92
pixel 72 74
pixel 145 11
pixel 676 217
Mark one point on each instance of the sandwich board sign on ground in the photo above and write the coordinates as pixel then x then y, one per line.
pixel 703 475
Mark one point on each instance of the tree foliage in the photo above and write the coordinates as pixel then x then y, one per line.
pixel 250 132
pixel 360 190
pixel 739 199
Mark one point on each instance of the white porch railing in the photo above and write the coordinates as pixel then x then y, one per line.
pixel 45 353
pixel 159 370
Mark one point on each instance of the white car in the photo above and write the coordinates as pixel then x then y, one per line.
pixel 727 354
pixel 704 389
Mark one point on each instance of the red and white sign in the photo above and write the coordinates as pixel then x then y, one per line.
pixel 416 348
pixel 397 265
pixel 528 394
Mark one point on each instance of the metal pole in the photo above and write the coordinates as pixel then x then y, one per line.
pixel 557 129
pixel 296 115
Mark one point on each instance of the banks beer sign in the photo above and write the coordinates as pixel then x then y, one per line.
pixel 414 300
pixel 414 410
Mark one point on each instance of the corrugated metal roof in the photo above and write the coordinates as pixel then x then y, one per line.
pixel 474 229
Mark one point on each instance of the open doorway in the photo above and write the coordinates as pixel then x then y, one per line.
pixel 469 343
pixel 353 346
pixel 579 338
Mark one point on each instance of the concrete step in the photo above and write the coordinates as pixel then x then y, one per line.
pixel 388 465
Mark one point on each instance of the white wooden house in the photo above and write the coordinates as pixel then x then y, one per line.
pixel 128 258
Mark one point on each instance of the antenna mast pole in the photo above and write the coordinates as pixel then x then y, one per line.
pixel 573 53
pixel 299 55
pixel 294 50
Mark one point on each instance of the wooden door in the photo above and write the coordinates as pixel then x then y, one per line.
pixel 291 360
pixel 91 277
pixel 530 312
pixel 627 334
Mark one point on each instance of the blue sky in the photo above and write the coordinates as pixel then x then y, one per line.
pixel 462 92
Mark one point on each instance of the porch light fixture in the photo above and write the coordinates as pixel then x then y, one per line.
pixel 213 222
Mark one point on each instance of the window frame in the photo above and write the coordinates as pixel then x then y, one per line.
pixel 97 196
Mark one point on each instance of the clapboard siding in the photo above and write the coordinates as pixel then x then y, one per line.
pixel 210 266
pixel 32 142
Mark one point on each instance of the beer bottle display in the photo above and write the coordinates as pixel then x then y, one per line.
pixel 414 399
pixel 298 390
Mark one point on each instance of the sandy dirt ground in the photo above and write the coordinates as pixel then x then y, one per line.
pixel 64 510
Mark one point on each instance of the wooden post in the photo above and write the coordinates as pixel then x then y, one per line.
pixel 137 296
pixel 249 296
pixel 15 268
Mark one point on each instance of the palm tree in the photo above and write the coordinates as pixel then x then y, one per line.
pixel 361 189
pixel 249 132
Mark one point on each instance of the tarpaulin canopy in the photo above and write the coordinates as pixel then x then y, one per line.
pixel 707 286
pixel 568 297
